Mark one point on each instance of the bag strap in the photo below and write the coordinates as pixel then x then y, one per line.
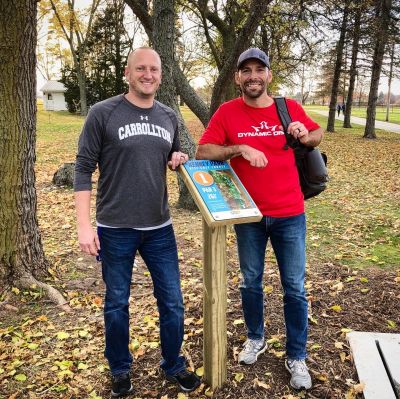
pixel 285 118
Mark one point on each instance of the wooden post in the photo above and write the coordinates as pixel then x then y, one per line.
pixel 214 304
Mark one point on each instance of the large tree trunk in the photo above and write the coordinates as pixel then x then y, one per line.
pixel 164 44
pixel 338 69
pixel 22 259
pixel 383 8
pixel 353 66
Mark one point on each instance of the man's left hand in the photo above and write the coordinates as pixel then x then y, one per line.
pixel 177 158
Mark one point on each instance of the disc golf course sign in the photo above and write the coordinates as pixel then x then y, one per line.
pixel 222 200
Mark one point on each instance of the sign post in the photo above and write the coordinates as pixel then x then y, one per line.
pixel 222 200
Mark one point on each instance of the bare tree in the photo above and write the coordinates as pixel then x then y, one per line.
pixel 338 68
pixel 353 66
pixel 73 32
pixel 383 20
pixel 390 78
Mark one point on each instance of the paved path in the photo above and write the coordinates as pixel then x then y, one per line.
pixel 389 127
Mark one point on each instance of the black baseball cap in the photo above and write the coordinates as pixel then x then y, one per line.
pixel 253 53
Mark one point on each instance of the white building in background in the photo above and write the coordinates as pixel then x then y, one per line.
pixel 53 96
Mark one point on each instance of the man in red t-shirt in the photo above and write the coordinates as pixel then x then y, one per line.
pixel 247 131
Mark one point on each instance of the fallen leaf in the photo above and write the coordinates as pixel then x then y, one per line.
pixel 350 394
pixel 321 377
pixel 239 377
pixel 336 308
pixel 359 388
pixel 278 354
pixel 391 324
pixel 339 345
pixel 83 333
pixel 268 289
pixel 82 366
pixel 20 377
pixel 337 287
pixel 62 335
pixel 97 301
pixel 261 384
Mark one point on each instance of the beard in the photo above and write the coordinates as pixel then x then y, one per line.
pixel 253 92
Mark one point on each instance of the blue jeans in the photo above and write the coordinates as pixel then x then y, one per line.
pixel 287 237
pixel 158 250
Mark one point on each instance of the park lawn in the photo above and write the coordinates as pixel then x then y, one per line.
pixel 394 115
pixel 353 282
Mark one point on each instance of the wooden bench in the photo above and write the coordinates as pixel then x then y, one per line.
pixel 377 360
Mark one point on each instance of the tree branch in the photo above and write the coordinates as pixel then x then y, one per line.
pixel 140 10
pixel 257 11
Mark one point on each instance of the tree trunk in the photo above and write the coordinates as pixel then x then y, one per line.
pixel 119 69
pixel 338 69
pixel 164 44
pixel 390 77
pixel 22 259
pixel 353 67
pixel 80 73
pixel 383 8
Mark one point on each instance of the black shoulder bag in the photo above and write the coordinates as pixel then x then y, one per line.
pixel 311 163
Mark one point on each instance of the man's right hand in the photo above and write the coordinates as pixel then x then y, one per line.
pixel 255 157
pixel 88 240
pixel 217 152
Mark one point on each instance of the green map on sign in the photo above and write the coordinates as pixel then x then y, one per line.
pixel 232 195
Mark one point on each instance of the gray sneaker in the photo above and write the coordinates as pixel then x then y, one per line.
pixel 251 349
pixel 301 378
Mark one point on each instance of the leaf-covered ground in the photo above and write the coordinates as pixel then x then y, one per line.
pixel 353 282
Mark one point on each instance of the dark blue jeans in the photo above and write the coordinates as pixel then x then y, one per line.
pixel 159 252
pixel 287 237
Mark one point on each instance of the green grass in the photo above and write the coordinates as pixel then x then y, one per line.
pixel 394 114
pixel 355 222
pixel 187 114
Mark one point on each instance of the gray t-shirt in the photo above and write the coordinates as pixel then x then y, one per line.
pixel 131 146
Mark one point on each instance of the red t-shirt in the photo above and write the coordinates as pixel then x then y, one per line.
pixel 276 188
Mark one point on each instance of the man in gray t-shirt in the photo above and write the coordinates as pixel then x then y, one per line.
pixel 132 138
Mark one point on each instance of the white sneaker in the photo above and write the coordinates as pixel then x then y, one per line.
pixel 301 378
pixel 251 349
